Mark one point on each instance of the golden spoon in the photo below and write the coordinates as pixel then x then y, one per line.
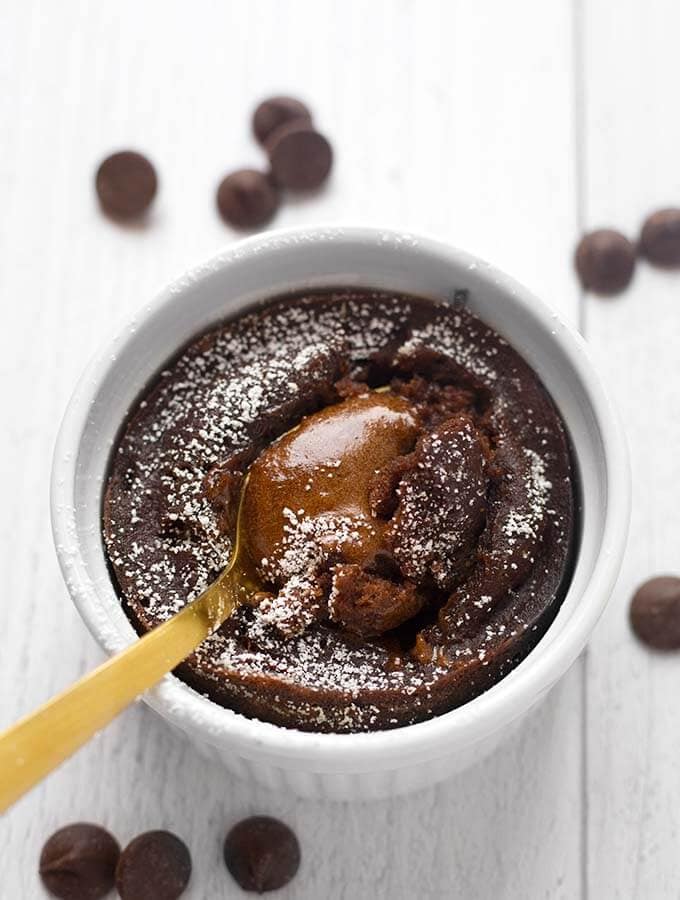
pixel 41 741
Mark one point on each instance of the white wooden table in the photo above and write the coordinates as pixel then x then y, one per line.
pixel 503 127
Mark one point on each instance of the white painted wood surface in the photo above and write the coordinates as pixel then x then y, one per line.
pixel 501 127
pixel 631 139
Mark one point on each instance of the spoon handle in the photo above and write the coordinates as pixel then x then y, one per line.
pixel 42 740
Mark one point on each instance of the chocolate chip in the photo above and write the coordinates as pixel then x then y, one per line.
pixel 126 184
pixel 79 862
pixel 605 261
pixel 660 238
pixel 247 198
pixel 276 111
pixel 655 612
pixel 156 865
pixel 300 157
pixel 262 854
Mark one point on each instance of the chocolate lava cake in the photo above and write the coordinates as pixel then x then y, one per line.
pixel 409 513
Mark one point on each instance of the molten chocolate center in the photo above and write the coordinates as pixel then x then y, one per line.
pixel 321 473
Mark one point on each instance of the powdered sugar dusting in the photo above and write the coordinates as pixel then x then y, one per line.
pixel 166 540
pixel 537 487
pixel 470 349
pixel 441 505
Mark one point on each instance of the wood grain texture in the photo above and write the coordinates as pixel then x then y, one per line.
pixel 455 118
pixel 632 135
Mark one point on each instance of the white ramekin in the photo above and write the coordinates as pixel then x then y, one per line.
pixel 332 765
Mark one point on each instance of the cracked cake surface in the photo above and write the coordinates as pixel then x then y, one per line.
pixel 409 513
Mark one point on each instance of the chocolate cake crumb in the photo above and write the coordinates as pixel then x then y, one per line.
pixel 368 605
pixel 441 506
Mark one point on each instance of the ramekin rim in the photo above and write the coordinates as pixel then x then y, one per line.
pixel 499 705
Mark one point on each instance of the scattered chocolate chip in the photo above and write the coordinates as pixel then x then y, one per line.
pixel 262 854
pixel 126 184
pixel 660 238
pixel 276 111
pixel 79 862
pixel 655 612
pixel 605 261
pixel 300 157
pixel 156 865
pixel 247 198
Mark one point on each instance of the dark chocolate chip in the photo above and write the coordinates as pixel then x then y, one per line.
pixel 262 854
pixel 276 111
pixel 126 184
pixel 155 865
pixel 79 862
pixel 660 238
pixel 655 612
pixel 605 261
pixel 247 198
pixel 300 157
